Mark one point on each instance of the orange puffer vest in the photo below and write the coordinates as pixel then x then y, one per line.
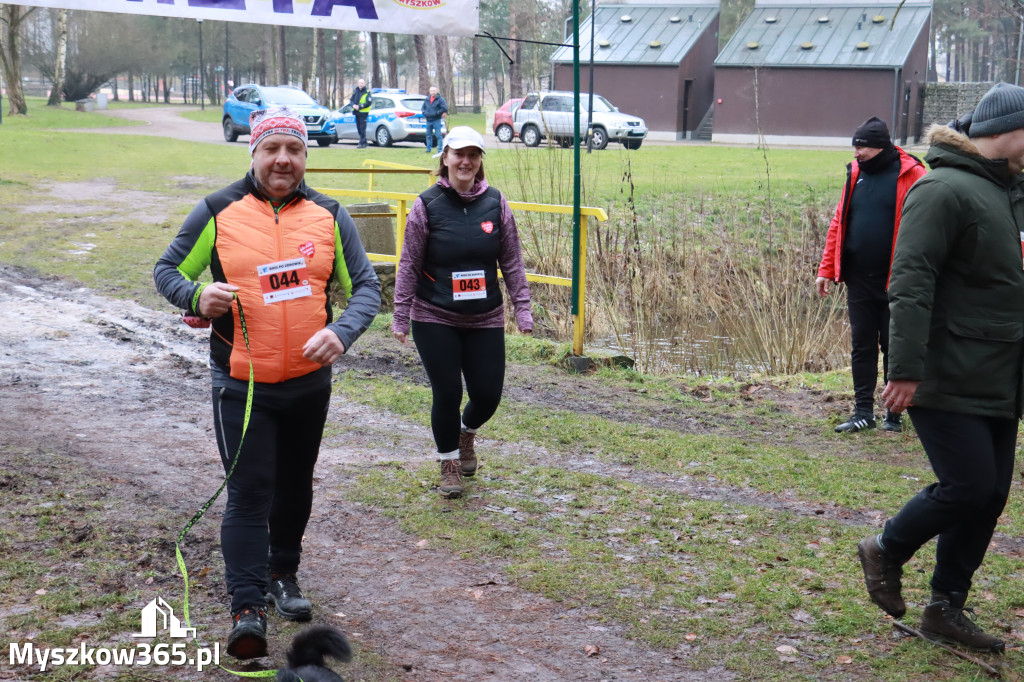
pixel 250 235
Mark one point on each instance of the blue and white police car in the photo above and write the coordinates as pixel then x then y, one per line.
pixel 395 116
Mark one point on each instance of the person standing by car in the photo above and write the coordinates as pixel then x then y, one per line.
pixel 273 246
pixel 361 101
pixel 957 351
pixel 858 250
pixel 435 109
pixel 459 233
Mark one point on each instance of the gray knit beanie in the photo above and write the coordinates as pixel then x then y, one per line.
pixel 1001 110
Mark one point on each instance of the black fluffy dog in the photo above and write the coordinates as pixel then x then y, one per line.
pixel 306 657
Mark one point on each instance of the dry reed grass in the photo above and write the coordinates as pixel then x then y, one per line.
pixel 709 284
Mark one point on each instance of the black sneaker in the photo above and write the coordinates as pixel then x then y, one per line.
pixel 285 595
pixel 248 638
pixel 893 421
pixel 858 422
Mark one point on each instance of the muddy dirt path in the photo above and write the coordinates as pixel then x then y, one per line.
pixel 122 392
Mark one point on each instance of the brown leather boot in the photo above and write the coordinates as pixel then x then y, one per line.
pixel 946 620
pixel 451 479
pixel 467 454
pixel 883 577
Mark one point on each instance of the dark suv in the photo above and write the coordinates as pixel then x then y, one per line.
pixel 246 99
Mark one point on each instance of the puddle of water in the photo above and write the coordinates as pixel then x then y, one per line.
pixel 706 350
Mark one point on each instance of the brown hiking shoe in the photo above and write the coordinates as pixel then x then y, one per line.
pixel 946 620
pixel 883 577
pixel 467 455
pixel 451 479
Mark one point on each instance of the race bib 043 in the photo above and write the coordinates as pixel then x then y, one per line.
pixel 469 285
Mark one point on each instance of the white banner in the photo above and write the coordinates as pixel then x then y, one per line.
pixel 424 17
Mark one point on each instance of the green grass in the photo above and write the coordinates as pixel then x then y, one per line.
pixel 44 120
pixel 125 230
pixel 683 574
pixel 212 114
pixel 729 460
pixel 476 121
pixel 742 579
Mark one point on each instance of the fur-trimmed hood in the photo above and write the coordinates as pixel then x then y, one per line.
pixel 952 149
pixel 938 133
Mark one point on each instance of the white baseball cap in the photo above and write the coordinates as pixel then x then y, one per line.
pixel 463 136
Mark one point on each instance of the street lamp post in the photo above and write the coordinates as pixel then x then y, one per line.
pixel 202 71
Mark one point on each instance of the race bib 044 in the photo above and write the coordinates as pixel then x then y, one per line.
pixel 284 280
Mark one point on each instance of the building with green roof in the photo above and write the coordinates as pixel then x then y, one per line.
pixel 810 72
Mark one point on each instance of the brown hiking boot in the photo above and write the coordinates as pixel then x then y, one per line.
pixel 467 455
pixel 882 575
pixel 946 620
pixel 451 479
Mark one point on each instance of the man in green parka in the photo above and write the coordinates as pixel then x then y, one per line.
pixel 956 347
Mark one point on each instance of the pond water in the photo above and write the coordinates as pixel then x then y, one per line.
pixel 710 351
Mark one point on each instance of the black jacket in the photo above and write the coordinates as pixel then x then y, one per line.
pixel 956 294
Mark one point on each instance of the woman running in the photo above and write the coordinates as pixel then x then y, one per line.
pixel 458 234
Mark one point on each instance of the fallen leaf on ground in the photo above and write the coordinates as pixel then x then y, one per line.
pixel 786 649
pixel 41 590
pixel 592 649
pixel 422 543
pixel 691 636
pixel 802 616
pixel 845 660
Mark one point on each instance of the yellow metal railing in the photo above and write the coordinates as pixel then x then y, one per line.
pixel 400 211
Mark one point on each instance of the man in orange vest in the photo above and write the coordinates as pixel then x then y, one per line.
pixel 273 246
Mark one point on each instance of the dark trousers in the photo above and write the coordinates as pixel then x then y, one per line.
pixel 448 355
pixel 972 457
pixel 868 306
pixel 361 117
pixel 270 493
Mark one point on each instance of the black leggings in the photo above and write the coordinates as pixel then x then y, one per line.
pixel 448 355
pixel 270 493
pixel 972 457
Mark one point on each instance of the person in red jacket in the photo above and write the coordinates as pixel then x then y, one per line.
pixel 858 251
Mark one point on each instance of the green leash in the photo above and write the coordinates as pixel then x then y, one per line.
pixel 203 509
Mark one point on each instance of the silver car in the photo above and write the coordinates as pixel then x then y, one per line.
pixel 550 115
pixel 395 116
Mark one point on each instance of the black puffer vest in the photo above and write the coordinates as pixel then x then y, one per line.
pixel 465 237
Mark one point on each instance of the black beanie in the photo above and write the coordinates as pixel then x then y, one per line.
pixel 872 133
pixel 1001 110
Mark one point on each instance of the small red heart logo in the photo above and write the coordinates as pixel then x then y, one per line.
pixel 307 249
pixel 487 226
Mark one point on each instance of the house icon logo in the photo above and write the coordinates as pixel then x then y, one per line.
pixel 159 610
